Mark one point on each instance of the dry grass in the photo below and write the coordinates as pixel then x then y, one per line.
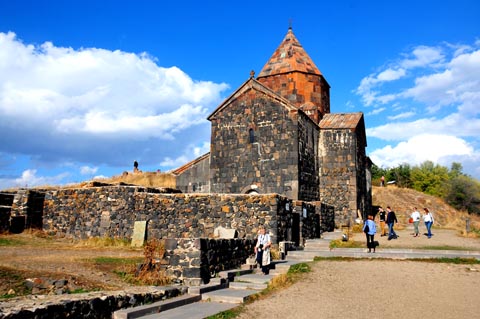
pixel 147 179
pixel 150 272
pixel 103 242
pixel 403 200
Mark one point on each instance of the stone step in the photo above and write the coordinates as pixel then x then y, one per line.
pixel 229 295
pixel 305 255
pixel 197 310
pixel 255 278
pixel 156 307
pixel 229 275
pixel 214 284
pixel 247 285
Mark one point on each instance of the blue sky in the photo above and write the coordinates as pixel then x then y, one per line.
pixel 87 87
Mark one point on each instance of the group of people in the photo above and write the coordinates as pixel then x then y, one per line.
pixel 427 219
pixel 389 219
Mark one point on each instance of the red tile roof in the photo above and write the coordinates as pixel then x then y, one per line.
pixel 289 57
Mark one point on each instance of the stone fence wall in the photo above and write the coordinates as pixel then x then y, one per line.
pixel 112 211
pixel 94 305
pixel 195 261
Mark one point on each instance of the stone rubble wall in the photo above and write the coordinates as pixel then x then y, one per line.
pixel 112 212
pixel 195 261
pixel 93 305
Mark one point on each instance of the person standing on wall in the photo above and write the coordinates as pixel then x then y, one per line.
pixel 262 250
pixel 381 216
pixel 428 219
pixel 370 229
pixel 391 220
pixel 416 220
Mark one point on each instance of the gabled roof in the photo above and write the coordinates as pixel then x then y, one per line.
pixel 255 85
pixel 289 57
pixel 350 121
pixel 185 167
pixel 341 120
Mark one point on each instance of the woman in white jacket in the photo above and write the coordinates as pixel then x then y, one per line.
pixel 428 219
pixel 262 250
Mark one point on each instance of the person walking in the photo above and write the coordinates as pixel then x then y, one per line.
pixel 370 229
pixel 381 216
pixel 415 216
pixel 262 250
pixel 391 220
pixel 428 220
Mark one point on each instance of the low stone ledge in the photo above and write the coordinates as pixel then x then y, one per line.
pixel 99 305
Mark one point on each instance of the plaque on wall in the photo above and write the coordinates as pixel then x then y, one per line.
pixel 138 237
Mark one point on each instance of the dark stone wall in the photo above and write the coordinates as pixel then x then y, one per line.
pixel 339 173
pixel 308 167
pixel 269 162
pixel 6 202
pixel 112 211
pixel 197 260
pixel 92 305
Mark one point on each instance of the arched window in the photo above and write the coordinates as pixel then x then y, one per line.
pixel 251 136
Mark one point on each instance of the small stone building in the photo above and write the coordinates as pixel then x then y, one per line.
pixel 275 134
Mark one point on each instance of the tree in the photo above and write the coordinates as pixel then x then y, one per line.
pixel 429 178
pixel 463 193
pixel 401 175
pixel 377 173
pixel 455 170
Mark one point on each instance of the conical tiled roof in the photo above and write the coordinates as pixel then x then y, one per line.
pixel 289 57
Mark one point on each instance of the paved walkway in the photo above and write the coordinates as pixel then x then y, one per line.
pixel 237 285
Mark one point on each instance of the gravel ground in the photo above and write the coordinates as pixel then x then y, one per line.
pixel 381 288
pixel 376 289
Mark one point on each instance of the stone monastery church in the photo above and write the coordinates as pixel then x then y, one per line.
pixel 275 134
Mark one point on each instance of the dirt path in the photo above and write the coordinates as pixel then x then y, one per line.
pixel 380 288
pixel 441 238
pixel 376 289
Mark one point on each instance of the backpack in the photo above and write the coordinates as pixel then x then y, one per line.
pixel 366 229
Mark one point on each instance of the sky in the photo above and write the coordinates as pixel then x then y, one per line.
pixel 88 87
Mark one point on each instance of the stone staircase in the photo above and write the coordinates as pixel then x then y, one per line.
pixel 227 291
pixel 230 289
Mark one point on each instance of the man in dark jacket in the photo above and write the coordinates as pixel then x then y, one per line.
pixel 391 220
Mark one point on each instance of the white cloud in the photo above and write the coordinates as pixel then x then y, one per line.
pixel 376 111
pixel 87 170
pixel 390 75
pixel 421 148
pixel 191 152
pixel 422 56
pixel 442 86
pixel 98 106
pixel 29 178
pixel 368 83
pixel 401 116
